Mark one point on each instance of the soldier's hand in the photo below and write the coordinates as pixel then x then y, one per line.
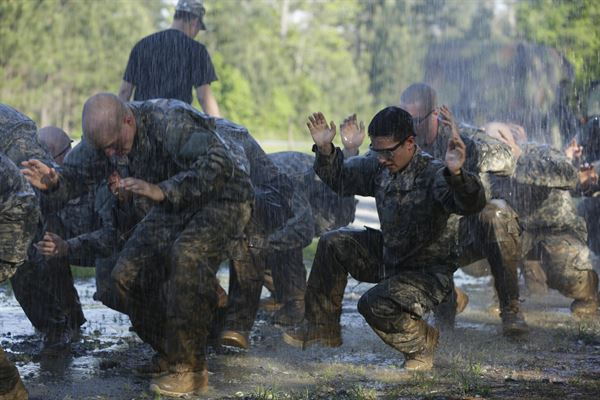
pixel 447 119
pixel 574 151
pixel 39 174
pixel 455 153
pixel 143 188
pixel 321 132
pixel 587 176
pixel 52 245
pixel 353 134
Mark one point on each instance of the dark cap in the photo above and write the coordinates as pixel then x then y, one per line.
pixel 194 7
pixel 392 121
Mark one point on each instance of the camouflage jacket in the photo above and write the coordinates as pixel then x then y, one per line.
pixel 485 155
pixel 539 190
pixel 175 147
pixel 273 190
pixel 316 208
pixel 413 204
pixel 19 215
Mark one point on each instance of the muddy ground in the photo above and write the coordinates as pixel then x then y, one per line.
pixel 561 358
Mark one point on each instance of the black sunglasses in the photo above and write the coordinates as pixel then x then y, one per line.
pixel 63 151
pixel 385 153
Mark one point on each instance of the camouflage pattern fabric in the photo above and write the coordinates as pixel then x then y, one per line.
pixel 408 258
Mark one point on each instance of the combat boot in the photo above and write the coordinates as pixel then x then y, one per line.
pixel 423 360
pixel 587 306
pixel 513 323
pixel 180 383
pixel 18 392
pixel 291 314
pixel 461 300
pixel 239 339
pixel 307 334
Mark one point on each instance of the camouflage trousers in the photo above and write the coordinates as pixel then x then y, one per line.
pixel 289 274
pixel 392 307
pixel 566 261
pixel 493 234
pixel 45 289
pixel 9 375
pixel 176 319
pixel 589 208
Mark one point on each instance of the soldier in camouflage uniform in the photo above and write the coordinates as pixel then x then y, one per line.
pixel 202 196
pixel 408 259
pixel 317 209
pixel 494 233
pixel 19 215
pixel 272 208
pixel 46 295
pixel 554 234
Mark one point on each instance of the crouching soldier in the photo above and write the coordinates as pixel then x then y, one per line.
pixel 408 259
pixel 19 216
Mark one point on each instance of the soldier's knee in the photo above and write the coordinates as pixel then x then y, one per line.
pixel 122 275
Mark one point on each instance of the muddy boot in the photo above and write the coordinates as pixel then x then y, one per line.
pixel 535 278
pixel 306 335
pixel 513 323
pixel 423 360
pixel 18 392
pixel 290 314
pixel 461 300
pixel 57 342
pixel 587 306
pixel 239 339
pixel 157 366
pixel 269 304
pixel 180 383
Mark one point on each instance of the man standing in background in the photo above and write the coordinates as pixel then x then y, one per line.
pixel 169 63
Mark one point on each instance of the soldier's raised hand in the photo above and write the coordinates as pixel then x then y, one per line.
pixel 39 174
pixel 588 176
pixel 456 152
pixel 574 151
pixel 352 133
pixel 321 132
pixel 52 245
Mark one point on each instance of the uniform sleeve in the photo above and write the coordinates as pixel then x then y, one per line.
pixel 298 231
pixel 546 167
pixel 488 155
pixel 204 70
pixel 346 178
pixel 459 194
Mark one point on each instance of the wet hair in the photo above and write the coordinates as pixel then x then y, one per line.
pixel 421 94
pixel 392 121
pixel 102 117
pixel 184 16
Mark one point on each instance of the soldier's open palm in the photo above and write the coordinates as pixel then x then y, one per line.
pixel 321 132
pixel 352 133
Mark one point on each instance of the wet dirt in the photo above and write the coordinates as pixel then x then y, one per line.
pixel 560 359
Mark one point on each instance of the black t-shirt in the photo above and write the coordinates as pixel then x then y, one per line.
pixel 168 64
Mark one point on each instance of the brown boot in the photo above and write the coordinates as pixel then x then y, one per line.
pixel 513 323
pixel 461 300
pixel 178 384
pixel 239 339
pixel 587 306
pixel 18 392
pixel 306 335
pixel 423 360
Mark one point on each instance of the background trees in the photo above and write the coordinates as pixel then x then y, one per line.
pixel 277 60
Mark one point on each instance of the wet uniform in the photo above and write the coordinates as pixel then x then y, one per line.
pixel 46 293
pixel 19 216
pixel 553 232
pixel 408 258
pixel 494 233
pixel 208 198
pixel 317 209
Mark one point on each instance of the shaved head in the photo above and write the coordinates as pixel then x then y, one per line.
pixel 102 119
pixel 56 140
pixel 420 94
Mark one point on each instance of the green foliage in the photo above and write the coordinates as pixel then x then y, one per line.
pixel 572 27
